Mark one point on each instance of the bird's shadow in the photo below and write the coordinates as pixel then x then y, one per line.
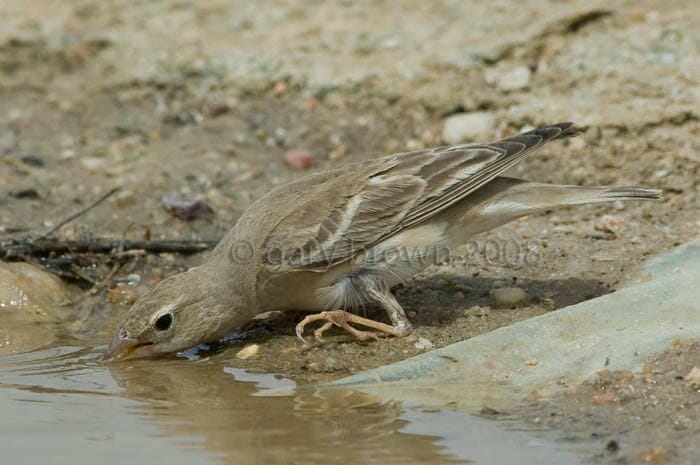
pixel 439 300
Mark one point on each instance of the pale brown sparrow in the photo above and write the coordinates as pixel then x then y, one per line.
pixel 339 238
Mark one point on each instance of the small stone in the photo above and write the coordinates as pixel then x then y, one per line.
pixel 463 288
pixel 488 411
pixel 314 366
pixel 610 224
pixel 123 294
pixel 28 193
pixel 280 88
pixel 423 344
pixel 604 398
pixel 467 126
pixel 93 164
pixel 216 109
pixel 338 152
pixel 692 379
pixel 124 199
pixel 299 159
pixel 185 208
pixel 515 79
pixel 626 393
pixel 412 314
pixel 33 160
pixel 508 296
pixel 657 455
pixel 248 351
pixel 477 310
pixel 531 363
pixel 124 146
pixel 330 363
pixel 459 296
pixel 65 106
pixel 612 446
pixel 548 303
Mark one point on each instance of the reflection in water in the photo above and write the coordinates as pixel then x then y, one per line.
pixel 84 412
pixel 201 411
pixel 203 400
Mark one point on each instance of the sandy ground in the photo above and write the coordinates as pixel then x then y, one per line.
pixel 646 417
pixel 204 98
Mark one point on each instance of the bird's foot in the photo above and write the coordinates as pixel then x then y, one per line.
pixel 343 319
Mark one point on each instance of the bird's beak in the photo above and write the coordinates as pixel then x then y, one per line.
pixel 123 348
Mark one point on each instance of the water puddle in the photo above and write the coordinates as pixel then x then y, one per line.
pixel 63 405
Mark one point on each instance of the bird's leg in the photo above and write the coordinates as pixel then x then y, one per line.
pixel 399 320
pixel 343 319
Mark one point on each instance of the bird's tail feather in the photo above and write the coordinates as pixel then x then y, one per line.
pixel 630 193
pixel 525 197
pixel 577 195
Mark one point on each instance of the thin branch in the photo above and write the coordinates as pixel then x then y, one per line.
pixel 81 212
pixel 42 247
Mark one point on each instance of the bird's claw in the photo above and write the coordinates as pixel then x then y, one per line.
pixel 341 319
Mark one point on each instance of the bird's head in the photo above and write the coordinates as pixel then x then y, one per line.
pixel 182 311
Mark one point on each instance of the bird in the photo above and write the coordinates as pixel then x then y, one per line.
pixel 332 241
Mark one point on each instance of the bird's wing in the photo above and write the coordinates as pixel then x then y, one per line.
pixel 357 208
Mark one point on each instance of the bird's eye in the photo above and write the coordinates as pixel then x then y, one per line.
pixel 164 322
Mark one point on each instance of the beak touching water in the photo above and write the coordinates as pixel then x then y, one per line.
pixel 124 348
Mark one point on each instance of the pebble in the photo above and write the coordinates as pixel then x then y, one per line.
pixel 612 446
pixel 548 303
pixel 123 293
pixel 248 351
pixel 299 159
pixel 657 455
pixel 27 193
pixel 508 296
pixel 133 279
pixel 463 288
pixel 423 344
pixel 185 208
pixel 216 109
pixel 610 224
pixel 693 378
pixel 28 287
pixel 93 164
pixel 280 88
pixel 515 79
pixel 604 398
pixel 33 160
pixel 338 152
pixel 330 363
pixel 477 310
pixel 461 127
pixel 29 298
pixel 124 198
pixel 489 411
